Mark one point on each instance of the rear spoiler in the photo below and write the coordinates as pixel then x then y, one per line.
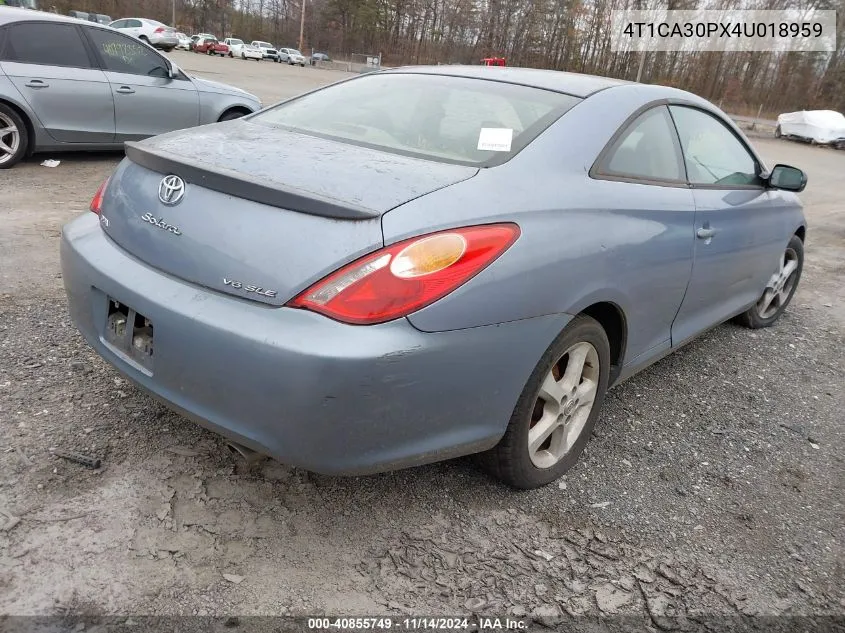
pixel 218 178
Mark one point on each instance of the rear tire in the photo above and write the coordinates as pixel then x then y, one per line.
pixel 559 406
pixel 779 289
pixel 14 137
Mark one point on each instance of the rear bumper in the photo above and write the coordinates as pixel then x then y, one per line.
pixel 166 41
pixel 311 392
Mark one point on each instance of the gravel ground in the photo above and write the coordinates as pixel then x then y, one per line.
pixel 712 490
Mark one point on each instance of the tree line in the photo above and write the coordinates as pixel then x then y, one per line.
pixel 572 35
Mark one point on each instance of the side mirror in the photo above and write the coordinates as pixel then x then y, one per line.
pixel 172 71
pixel 787 178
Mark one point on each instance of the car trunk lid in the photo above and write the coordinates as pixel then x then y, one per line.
pixel 265 212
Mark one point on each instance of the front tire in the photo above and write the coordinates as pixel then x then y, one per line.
pixel 14 137
pixel 557 411
pixel 231 115
pixel 779 289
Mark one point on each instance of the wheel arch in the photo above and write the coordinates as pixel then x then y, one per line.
pixel 801 232
pixel 612 319
pixel 232 109
pixel 27 121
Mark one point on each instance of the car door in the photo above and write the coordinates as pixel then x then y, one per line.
pixel 639 184
pixel 50 65
pixel 147 101
pixel 133 27
pixel 741 230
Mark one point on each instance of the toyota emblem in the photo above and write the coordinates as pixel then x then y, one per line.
pixel 171 189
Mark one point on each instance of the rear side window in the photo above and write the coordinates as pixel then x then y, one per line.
pixel 647 150
pixel 713 154
pixel 47 44
pixel 122 54
pixel 444 118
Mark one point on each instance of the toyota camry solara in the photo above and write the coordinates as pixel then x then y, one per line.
pixel 423 263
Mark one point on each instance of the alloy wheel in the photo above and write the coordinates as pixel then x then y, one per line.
pixel 779 288
pixel 563 406
pixel 10 138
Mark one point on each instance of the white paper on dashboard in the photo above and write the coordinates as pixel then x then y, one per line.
pixel 495 139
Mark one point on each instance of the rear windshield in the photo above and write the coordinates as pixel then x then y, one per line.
pixel 236 42
pixel 449 119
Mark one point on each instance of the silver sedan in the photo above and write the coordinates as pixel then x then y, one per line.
pixel 94 88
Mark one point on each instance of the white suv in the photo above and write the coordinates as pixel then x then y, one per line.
pixel 237 48
pixel 152 32
pixel 267 49
pixel 291 56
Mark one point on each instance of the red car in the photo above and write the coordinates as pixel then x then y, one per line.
pixel 211 46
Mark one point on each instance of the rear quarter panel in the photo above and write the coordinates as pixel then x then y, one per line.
pixel 583 240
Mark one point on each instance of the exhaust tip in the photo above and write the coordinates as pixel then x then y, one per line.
pixel 249 456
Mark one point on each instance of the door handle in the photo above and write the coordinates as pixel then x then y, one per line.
pixel 125 90
pixel 37 83
pixel 705 233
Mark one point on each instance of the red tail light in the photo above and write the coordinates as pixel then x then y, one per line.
pixel 159 29
pixel 404 277
pixel 97 200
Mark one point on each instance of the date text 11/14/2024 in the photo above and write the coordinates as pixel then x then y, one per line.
pixel 416 624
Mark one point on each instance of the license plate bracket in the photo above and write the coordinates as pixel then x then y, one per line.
pixel 130 332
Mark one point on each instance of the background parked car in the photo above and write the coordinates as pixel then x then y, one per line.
pixel 79 15
pixel 184 42
pixel 63 97
pixel 820 127
pixel 154 33
pixel 291 56
pixel 267 49
pixel 100 18
pixel 211 46
pixel 319 57
pixel 237 48
pixel 198 36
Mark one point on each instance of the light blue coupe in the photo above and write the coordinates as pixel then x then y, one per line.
pixel 423 263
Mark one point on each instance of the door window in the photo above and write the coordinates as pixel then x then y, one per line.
pixel 713 154
pixel 123 54
pixel 48 44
